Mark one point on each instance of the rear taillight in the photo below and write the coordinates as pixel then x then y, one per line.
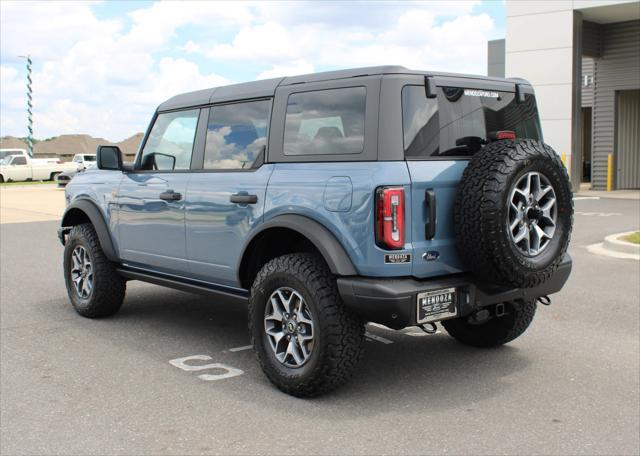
pixel 505 134
pixel 390 217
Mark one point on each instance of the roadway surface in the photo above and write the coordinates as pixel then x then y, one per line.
pixel 69 385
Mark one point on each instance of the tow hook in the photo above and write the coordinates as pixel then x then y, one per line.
pixel 429 328
pixel 544 300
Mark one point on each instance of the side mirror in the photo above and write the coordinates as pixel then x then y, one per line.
pixel 109 157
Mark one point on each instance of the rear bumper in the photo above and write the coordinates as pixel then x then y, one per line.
pixel 393 302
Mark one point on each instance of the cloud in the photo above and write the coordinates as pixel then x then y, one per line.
pixel 96 79
pixel 105 76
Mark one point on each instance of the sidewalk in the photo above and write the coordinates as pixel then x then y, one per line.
pixel 31 203
pixel 615 194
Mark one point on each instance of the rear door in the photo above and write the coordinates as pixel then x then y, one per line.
pixel 151 198
pixel 226 195
pixel 441 135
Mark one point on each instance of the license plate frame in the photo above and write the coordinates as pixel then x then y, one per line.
pixel 436 305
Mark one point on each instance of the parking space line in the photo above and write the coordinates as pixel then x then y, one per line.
pixel 377 338
pixel 244 347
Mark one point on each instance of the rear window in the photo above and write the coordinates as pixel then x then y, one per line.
pixel 325 122
pixel 456 123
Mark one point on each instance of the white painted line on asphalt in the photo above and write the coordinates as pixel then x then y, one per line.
pixel 377 338
pixel 238 349
pixel 579 198
pixel 229 372
pixel 419 333
pixel 181 363
pixel 598 214
pixel 378 325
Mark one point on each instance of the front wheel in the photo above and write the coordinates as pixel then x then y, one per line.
pixel 94 286
pixel 306 341
pixel 493 326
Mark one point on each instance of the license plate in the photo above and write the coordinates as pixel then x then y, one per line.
pixel 437 305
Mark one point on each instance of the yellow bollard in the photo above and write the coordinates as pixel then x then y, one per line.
pixel 563 157
pixel 609 172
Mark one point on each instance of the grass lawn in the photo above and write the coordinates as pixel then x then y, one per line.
pixel 5 184
pixel 633 237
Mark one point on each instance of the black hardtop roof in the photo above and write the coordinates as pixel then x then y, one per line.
pixel 267 87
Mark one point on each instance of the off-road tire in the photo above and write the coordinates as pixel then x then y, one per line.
pixel 338 339
pixel 483 239
pixel 497 330
pixel 109 287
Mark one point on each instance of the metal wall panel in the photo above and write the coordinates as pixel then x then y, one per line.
pixel 587 90
pixel 628 139
pixel 617 69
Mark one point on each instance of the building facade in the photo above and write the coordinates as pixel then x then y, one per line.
pixel 583 58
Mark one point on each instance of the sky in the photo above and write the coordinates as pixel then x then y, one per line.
pixel 101 68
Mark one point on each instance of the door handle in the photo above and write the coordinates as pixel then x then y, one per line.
pixel 243 198
pixel 430 226
pixel 170 195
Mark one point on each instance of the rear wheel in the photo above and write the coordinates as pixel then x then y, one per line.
pixel 94 286
pixel 306 341
pixel 493 326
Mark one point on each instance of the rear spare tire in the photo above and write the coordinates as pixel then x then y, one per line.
pixel 514 213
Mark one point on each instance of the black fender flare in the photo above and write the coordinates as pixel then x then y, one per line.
pixel 329 247
pixel 97 220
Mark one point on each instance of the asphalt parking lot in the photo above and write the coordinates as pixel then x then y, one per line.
pixel 69 385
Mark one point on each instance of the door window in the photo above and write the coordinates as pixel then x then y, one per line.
pixel 19 161
pixel 170 143
pixel 236 135
pixel 325 122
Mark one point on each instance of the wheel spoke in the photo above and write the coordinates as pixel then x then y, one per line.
pixel 522 234
pixel 294 351
pixel 286 302
pixel 543 192
pixel 276 311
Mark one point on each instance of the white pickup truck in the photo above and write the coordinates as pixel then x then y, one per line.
pixel 17 168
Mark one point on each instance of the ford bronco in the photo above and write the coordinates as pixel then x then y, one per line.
pixel 329 200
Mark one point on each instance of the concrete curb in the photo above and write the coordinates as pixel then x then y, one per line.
pixel 615 248
pixel 613 243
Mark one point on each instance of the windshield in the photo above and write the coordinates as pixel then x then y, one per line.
pixel 458 121
pixel 5 161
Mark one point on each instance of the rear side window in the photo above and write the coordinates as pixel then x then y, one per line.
pixel 236 134
pixel 325 122
pixel 456 123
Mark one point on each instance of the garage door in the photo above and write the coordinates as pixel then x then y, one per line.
pixel 628 139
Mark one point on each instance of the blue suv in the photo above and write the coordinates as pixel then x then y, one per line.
pixel 329 200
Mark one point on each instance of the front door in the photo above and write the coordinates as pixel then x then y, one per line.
pixel 151 198
pixel 225 200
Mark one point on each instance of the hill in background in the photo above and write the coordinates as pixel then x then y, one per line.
pixel 66 146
